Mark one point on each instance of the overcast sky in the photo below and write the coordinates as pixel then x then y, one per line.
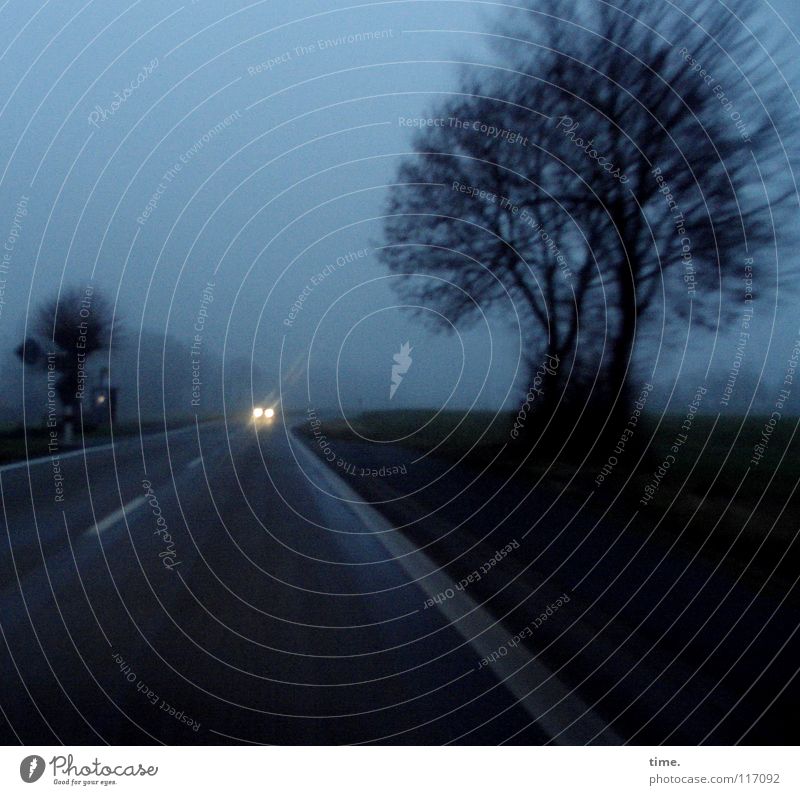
pixel 264 156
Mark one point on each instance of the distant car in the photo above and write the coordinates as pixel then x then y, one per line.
pixel 263 415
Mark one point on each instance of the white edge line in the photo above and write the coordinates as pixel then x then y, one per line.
pixel 91 448
pixel 559 708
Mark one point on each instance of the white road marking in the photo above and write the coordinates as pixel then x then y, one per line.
pixel 553 706
pixel 91 448
pixel 113 518
pixel 61 456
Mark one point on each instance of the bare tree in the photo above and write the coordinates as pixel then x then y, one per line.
pixel 68 329
pixel 615 155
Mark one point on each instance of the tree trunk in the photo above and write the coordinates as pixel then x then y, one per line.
pixel 618 394
pixel 68 438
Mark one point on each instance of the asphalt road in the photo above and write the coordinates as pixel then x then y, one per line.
pixel 667 644
pixel 272 612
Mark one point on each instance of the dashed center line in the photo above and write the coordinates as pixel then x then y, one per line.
pixel 113 518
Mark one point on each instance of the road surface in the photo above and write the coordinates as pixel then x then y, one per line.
pixel 201 587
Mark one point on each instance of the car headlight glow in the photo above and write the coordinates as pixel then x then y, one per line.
pixel 257 412
pixel 269 413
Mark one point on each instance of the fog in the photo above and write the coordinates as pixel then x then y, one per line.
pixel 224 175
pixel 406 372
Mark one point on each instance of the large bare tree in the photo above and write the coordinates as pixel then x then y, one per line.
pixel 614 155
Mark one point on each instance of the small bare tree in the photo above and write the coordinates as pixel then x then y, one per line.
pixel 70 327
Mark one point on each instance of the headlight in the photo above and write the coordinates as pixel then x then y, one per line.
pixel 258 412
pixel 269 413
